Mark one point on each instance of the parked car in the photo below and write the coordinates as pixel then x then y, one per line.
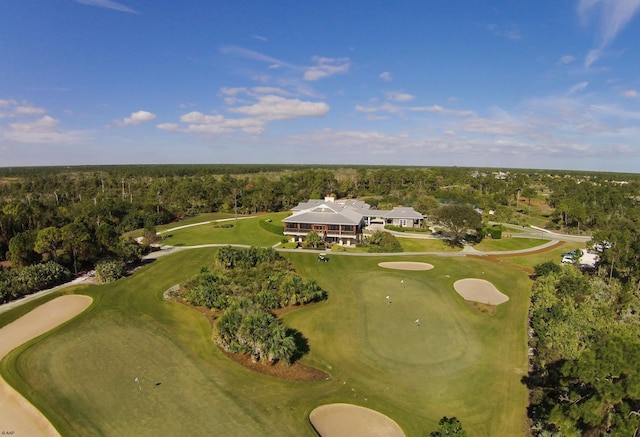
pixel 567 259
pixel 600 247
pixel 574 253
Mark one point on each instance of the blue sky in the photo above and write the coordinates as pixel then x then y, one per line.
pixel 491 83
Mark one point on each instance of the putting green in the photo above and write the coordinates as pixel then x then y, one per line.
pixel 391 327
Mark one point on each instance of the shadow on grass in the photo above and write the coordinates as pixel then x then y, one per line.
pixel 302 344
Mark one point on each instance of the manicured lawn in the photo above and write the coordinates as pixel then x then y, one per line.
pixel 244 231
pixel 426 245
pixel 196 219
pixel 200 218
pixel 458 363
pixel 489 245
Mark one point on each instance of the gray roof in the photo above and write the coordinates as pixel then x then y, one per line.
pixel 306 205
pixel 344 212
pixel 323 218
pixel 376 213
pixel 400 212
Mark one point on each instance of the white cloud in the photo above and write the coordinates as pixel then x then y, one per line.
pixel 497 127
pixel 196 117
pixel 440 109
pixel 578 87
pixel 228 91
pixel 592 56
pixel 29 110
pixel 253 56
pixel 43 124
pixel 326 67
pixel 109 4
pixel 386 107
pixel 509 32
pixel 612 111
pixel 632 94
pixel 396 96
pixel 270 90
pixel 612 17
pixel 215 124
pixel 19 109
pixel 385 75
pixel 374 117
pixel 136 118
pixel 267 108
pixel 6 103
pixel 40 131
pixel 395 109
pixel 566 59
pixel 272 107
pixel 171 127
pixel 260 38
pixel 233 92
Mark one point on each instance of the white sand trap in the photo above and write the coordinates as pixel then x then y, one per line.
pixel 346 420
pixel 406 265
pixel 479 290
pixel 17 415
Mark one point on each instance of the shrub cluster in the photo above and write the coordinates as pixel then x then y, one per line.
pixel 109 270
pixel 247 284
pixel 15 283
pixel 248 329
pixel 260 274
pixel 383 242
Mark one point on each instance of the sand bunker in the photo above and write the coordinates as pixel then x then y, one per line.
pixel 406 265
pixel 346 420
pixel 17 415
pixel 479 290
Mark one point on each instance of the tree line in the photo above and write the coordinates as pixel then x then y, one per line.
pixel 585 370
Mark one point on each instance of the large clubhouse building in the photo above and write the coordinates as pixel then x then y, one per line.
pixel 342 221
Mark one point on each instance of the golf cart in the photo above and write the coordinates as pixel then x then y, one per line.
pixel 323 257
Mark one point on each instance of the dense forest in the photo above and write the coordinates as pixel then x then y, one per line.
pixel 56 222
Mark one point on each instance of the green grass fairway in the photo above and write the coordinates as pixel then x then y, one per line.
pixel 489 245
pixel 244 231
pixel 458 363
pixel 200 218
pixel 425 245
